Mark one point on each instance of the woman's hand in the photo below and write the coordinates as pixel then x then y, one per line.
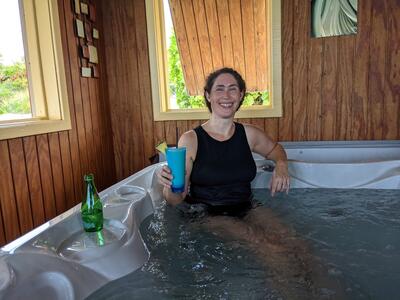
pixel 280 180
pixel 165 177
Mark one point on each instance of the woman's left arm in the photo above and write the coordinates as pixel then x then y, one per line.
pixel 260 143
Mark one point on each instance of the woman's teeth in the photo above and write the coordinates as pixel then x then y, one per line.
pixel 226 105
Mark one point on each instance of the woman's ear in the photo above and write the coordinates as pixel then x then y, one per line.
pixel 207 96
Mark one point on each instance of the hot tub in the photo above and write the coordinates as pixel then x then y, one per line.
pixel 59 261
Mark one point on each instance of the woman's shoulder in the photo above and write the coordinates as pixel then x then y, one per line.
pixel 251 129
pixel 188 139
pixel 255 136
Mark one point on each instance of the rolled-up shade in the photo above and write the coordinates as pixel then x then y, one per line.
pixel 223 33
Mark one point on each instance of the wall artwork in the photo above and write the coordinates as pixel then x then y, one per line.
pixel 88 35
pixel 333 17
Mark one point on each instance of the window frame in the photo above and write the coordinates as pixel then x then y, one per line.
pixel 159 73
pixel 45 70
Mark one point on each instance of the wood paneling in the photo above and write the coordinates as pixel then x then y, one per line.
pixel 41 176
pixel 327 88
pixel 231 33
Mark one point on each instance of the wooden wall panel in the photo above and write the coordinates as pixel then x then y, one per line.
pixel 214 34
pixel 235 16
pixel 20 181
pixel 250 50
pixel 392 81
pixel 193 41
pixel 146 106
pixel 35 187
pixel 314 98
pixel 361 62
pixel 327 90
pixel 344 87
pixel 377 70
pixel 286 121
pixel 301 33
pixel 182 40
pixel 7 196
pixel 41 176
pixel 230 33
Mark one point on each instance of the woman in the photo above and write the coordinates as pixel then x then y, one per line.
pixel 219 162
pixel 219 171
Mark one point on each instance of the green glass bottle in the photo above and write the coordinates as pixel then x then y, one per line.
pixel 92 208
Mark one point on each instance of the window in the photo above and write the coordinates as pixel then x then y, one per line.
pixel 47 110
pixel 264 95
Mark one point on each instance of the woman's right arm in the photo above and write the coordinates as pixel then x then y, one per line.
pixel 188 140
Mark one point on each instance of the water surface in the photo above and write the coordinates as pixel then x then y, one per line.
pixel 353 234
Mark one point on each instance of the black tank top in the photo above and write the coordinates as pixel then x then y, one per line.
pixel 222 171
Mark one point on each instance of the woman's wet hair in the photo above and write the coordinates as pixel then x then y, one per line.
pixel 213 76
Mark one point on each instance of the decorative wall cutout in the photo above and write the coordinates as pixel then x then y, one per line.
pixel 95 34
pixel 93 54
pixel 80 31
pixel 86 72
pixel 84 8
pixel 88 36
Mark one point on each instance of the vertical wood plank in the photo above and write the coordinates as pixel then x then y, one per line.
pixel 314 99
pixel 2 233
pixel 194 47
pixel 73 133
pixel 262 47
pixel 46 176
pixel 76 88
pixel 7 196
pixel 285 123
pixel 377 71
pixel 159 133
pixel 192 124
pixel 144 82
pixel 249 44
pixel 87 118
pixel 57 173
pixel 328 92
pixel 182 128
pixel 259 122
pixel 97 148
pixel 214 34
pixel 17 158
pixel 225 32
pixel 68 176
pixel 301 33
pixel 105 108
pixel 171 132
pixel 344 87
pixel 272 128
pixel 360 98
pixel 203 39
pixel 392 83
pixel 183 46
pixel 235 16
pixel 35 187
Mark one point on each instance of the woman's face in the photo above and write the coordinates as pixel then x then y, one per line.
pixel 225 96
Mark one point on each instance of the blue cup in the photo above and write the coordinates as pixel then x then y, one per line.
pixel 176 159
